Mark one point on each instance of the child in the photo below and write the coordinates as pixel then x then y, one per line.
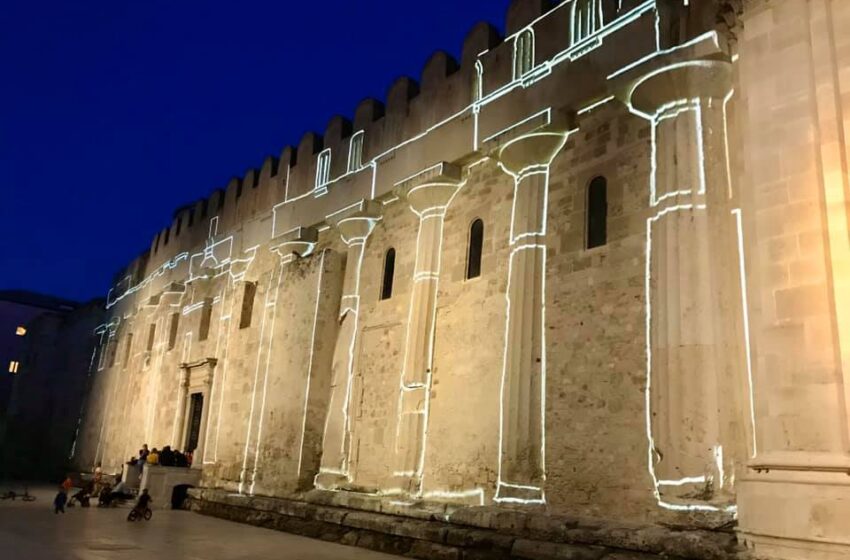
pixel 144 501
pixel 59 501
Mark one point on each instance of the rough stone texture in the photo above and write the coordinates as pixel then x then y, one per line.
pixel 505 535
pixel 693 365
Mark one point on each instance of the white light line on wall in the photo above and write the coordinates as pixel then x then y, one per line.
pixel 745 306
pixel 310 361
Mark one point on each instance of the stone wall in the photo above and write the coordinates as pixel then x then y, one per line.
pixel 645 379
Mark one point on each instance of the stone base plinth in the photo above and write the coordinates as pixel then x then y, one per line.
pixel 160 482
pixel 430 530
pixel 795 515
pixel 132 476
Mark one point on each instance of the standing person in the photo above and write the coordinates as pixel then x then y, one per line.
pixel 143 458
pixel 60 500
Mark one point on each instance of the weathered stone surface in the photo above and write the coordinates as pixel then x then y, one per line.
pixel 538 550
pixel 446 539
pixel 686 367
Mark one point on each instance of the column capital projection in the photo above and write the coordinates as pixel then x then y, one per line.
pixel 431 191
pixel 666 88
pixel 295 243
pixel 531 152
pixel 354 223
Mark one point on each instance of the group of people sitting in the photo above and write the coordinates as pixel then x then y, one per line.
pixel 166 458
pixel 97 487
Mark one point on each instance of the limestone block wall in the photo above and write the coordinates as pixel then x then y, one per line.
pixel 644 379
pixel 792 78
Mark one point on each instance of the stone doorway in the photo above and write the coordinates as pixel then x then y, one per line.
pixel 193 406
pixel 196 407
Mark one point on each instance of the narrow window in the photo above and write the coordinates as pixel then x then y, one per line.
pixel 127 350
pixel 101 359
pixel 179 223
pixel 206 317
pixel 21 330
pixel 473 253
pixel 151 336
pixel 586 19
pixel 13 366
pixel 355 152
pixel 172 330
pixel 389 272
pixel 597 213
pixel 523 53
pixel 156 244
pixel 112 350
pixel 323 169
pixel 247 305
pixel 478 82
pixel 167 232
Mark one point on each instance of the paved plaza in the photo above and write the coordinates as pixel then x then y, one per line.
pixel 31 531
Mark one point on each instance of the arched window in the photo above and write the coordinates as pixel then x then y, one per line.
pixel 323 172
pixel 586 19
pixel 355 152
pixel 478 82
pixel 473 252
pixel 389 273
pixel 523 53
pixel 597 213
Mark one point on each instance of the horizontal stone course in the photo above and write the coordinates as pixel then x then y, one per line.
pixel 467 533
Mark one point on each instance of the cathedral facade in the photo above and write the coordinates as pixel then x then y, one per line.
pixel 599 265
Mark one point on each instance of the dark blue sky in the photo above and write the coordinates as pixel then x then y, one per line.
pixel 113 113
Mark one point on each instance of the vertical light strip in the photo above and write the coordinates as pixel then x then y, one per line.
pixel 745 306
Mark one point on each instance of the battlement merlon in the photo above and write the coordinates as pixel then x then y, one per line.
pixel 444 119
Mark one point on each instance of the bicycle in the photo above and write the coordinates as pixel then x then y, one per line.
pixel 12 495
pixel 136 515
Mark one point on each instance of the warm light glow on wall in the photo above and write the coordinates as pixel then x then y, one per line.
pixel 21 331
pixel 13 366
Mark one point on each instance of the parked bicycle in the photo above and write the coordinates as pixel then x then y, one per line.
pixel 12 495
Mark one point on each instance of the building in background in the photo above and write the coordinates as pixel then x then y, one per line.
pixel 597 267
pixel 48 386
pixel 18 309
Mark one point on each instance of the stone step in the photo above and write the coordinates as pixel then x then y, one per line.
pixel 469 533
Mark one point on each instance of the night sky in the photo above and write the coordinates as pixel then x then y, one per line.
pixel 114 113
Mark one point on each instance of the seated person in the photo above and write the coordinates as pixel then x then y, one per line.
pixel 180 459
pixel 166 457
pixel 117 494
pixel 83 496
pixel 105 496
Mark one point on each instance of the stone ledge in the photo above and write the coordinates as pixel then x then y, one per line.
pixel 468 533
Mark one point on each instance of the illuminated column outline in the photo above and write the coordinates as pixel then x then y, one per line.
pixel 522 465
pixel 429 194
pixel 228 303
pixel 111 388
pixel 294 244
pixel 158 352
pixel 254 432
pixel 354 223
pixel 694 336
pixel 182 395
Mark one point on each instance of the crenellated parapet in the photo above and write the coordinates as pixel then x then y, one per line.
pixel 454 108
